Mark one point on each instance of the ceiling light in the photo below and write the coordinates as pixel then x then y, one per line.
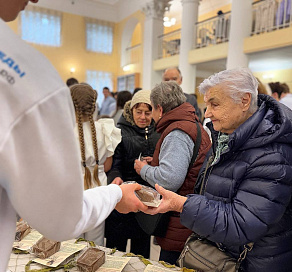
pixel 126 68
pixel 268 76
pixel 169 22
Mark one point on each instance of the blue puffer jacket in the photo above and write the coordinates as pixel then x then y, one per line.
pixel 247 196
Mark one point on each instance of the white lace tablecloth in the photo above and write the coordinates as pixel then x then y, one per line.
pixel 17 263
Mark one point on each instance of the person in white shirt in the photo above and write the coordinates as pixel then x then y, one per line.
pixel 287 100
pixel 40 171
pixel 281 92
pixel 286 97
pixel 97 142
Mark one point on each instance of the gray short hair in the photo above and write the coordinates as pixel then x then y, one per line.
pixel 236 82
pixel 167 94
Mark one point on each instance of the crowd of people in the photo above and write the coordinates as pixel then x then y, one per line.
pixel 71 168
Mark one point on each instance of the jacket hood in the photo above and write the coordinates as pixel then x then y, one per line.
pixel 127 119
pixel 184 112
pixel 271 123
pixel 128 113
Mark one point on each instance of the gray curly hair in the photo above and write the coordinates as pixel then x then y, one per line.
pixel 167 94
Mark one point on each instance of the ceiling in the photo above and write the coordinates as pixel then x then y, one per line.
pixel 117 10
pixel 109 2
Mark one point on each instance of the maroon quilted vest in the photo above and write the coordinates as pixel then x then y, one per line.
pixel 183 118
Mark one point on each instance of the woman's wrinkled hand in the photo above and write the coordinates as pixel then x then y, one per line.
pixel 138 165
pixel 129 201
pixel 170 202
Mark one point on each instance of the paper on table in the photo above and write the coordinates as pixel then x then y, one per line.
pixel 155 268
pixel 114 264
pixel 67 249
pixel 28 241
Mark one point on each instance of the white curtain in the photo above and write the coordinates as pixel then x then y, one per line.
pixel 98 80
pixel 41 26
pixel 99 36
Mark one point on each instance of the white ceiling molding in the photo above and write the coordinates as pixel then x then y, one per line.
pixel 128 7
pixel 211 5
pixel 274 59
pixel 117 10
pixel 87 8
pixel 109 2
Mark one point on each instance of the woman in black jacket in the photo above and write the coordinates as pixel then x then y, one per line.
pixel 139 139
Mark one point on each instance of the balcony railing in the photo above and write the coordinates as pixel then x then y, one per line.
pixel 133 54
pixel 213 31
pixel 270 15
pixel 170 44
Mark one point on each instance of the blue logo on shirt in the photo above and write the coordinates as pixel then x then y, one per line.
pixel 11 63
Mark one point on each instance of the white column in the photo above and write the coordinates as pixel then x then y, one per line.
pixel 153 27
pixel 188 33
pixel 240 28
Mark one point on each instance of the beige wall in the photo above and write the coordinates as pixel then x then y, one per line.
pixel 72 52
pixel 213 13
pixel 283 76
pixel 137 35
pixel 137 38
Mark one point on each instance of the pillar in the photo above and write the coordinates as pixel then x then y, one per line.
pixel 240 28
pixel 153 27
pixel 188 34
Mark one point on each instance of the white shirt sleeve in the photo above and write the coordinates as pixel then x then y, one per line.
pixel 42 172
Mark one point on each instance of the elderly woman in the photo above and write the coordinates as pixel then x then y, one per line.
pixel 246 180
pixel 139 138
pixel 172 166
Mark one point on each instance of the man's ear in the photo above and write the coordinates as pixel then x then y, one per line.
pixel 246 99
pixel 181 79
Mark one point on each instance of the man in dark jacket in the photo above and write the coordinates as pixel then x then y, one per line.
pixel 175 75
pixel 246 180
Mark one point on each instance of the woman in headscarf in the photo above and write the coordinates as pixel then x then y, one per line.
pixel 139 139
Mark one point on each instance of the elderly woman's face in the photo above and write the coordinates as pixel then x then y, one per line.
pixel 225 114
pixel 142 115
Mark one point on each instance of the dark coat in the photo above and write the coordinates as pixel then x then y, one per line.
pixel 247 197
pixel 135 140
pixel 193 101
